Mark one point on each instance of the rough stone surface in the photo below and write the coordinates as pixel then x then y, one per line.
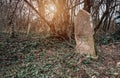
pixel 84 33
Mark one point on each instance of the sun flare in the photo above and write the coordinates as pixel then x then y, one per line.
pixel 50 10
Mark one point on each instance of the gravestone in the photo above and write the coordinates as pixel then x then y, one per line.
pixel 84 31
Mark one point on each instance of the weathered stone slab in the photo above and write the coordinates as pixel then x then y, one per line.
pixel 84 31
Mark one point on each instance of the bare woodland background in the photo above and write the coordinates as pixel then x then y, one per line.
pixel 25 16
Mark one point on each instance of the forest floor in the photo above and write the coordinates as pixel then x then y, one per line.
pixel 54 58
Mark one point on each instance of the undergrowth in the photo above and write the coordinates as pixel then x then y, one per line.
pixel 47 58
pixel 105 39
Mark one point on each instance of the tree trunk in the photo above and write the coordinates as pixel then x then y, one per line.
pixel 11 21
pixel 87 5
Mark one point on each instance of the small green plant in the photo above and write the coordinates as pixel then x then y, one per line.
pixel 29 58
pixel 87 61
